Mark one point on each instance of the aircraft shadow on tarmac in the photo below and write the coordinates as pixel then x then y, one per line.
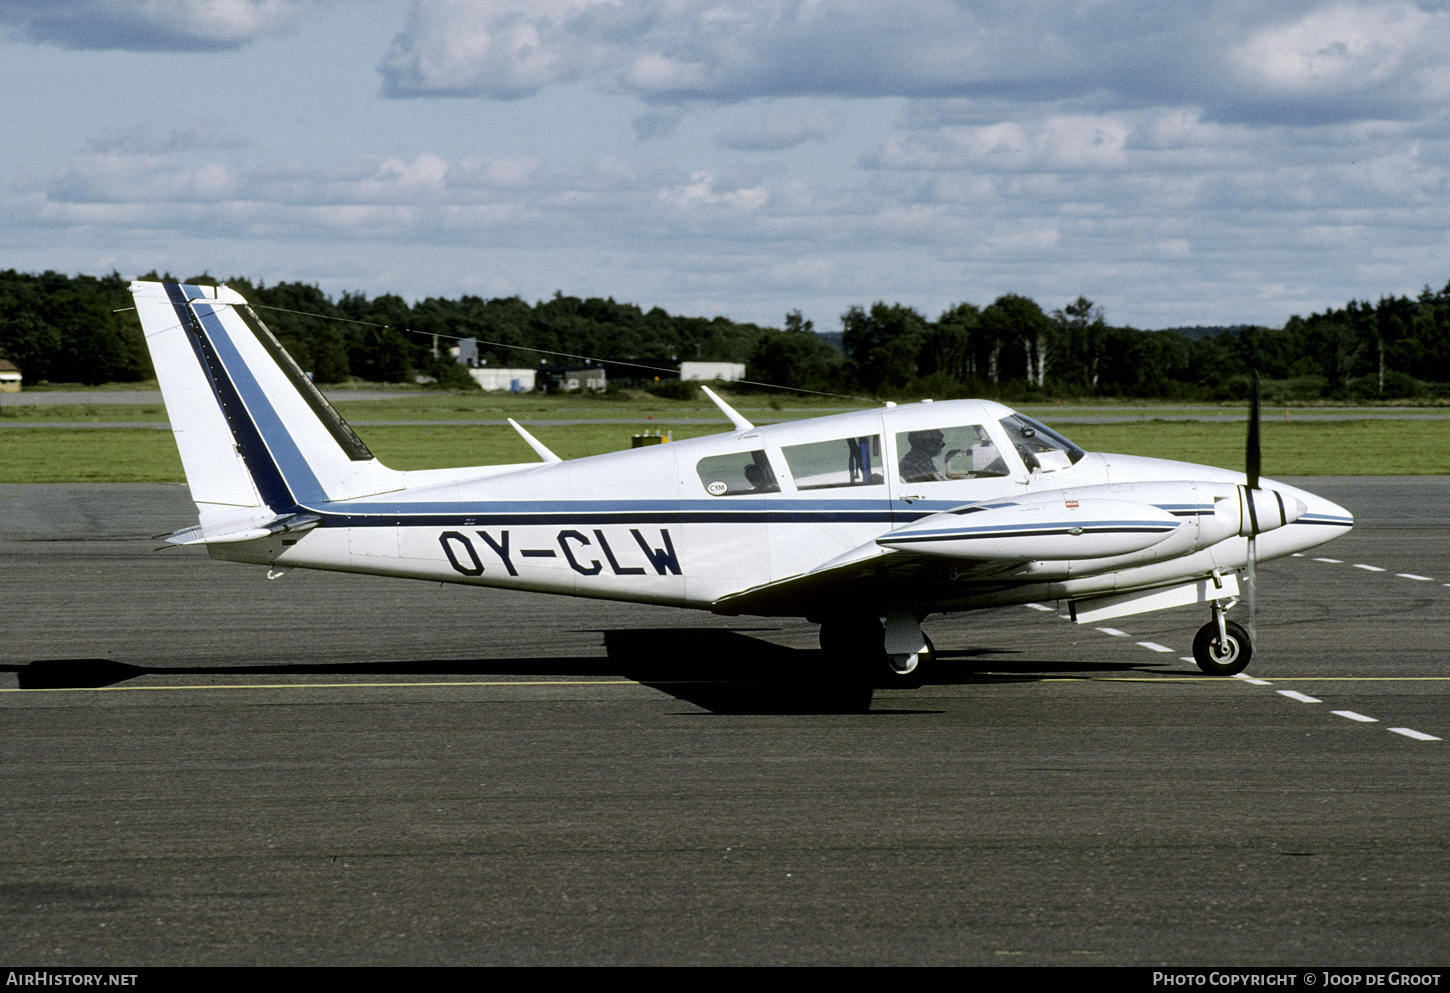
pixel 722 671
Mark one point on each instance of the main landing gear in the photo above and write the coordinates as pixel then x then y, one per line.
pixel 897 654
pixel 1222 647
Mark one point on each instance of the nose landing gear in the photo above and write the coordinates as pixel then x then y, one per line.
pixel 1222 647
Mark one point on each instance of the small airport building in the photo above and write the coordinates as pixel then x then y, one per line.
pixel 563 379
pixel 725 372
pixel 497 378
pixel 9 377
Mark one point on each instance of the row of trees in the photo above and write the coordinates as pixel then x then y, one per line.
pixel 70 330
pixel 81 329
pixel 1397 349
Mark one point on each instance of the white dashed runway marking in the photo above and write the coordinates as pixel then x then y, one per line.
pixel 1375 568
pixel 1351 715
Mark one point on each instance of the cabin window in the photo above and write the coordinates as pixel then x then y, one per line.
pixel 959 452
pixel 742 472
pixel 1039 445
pixel 841 462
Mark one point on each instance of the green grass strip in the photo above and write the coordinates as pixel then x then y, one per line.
pixel 1293 448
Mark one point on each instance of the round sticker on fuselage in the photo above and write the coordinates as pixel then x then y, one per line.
pixel 717 488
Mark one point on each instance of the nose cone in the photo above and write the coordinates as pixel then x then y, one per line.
pixel 1330 516
pixel 1321 521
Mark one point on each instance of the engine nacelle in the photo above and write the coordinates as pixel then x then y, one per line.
pixel 1051 530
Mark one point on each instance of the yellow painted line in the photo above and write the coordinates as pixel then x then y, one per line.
pixel 1204 680
pixel 327 686
pixel 1201 680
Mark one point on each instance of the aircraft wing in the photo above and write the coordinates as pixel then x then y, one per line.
pixel 856 575
pixel 869 574
pixel 963 552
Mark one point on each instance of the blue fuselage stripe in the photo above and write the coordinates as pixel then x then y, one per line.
pixel 487 518
pixel 1022 531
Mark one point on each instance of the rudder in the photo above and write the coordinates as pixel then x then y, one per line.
pixel 257 439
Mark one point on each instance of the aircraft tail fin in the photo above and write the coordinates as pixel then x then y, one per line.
pixel 257 439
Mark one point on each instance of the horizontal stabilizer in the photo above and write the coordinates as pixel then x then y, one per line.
pixel 215 534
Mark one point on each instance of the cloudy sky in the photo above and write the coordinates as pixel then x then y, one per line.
pixel 1176 161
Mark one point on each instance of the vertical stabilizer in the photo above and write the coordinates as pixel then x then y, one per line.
pixel 257 439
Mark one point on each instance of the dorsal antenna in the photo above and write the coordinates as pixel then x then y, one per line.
pixel 740 422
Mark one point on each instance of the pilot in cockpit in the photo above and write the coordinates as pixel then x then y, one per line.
pixel 919 464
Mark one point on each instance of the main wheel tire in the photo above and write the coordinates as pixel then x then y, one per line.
pixel 854 646
pixel 859 642
pixel 853 636
pixel 917 675
pixel 1227 659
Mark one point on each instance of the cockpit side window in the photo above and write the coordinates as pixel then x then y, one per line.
pixel 741 472
pixel 1039 445
pixel 956 452
pixel 839 462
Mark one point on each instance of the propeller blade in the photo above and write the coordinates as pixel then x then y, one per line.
pixel 1252 464
pixel 1251 587
pixel 1252 454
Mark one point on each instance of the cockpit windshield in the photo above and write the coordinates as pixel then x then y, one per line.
pixel 1039 445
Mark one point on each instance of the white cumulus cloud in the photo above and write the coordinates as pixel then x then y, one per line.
pixel 152 25
pixel 495 48
pixel 1050 144
pixel 1349 59
pixel 1233 61
pixel 777 133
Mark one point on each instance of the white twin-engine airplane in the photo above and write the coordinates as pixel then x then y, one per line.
pixel 892 513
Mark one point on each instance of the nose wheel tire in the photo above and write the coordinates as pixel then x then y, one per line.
pixel 1219 657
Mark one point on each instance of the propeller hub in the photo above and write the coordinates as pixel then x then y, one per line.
pixel 1261 510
